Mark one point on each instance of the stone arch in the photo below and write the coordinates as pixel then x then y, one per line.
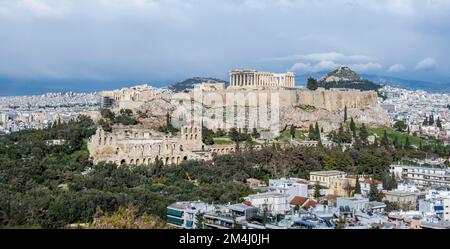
pixel 195 137
pixel 144 160
pixel 149 161
pixel 178 160
pixel 132 161
pixel 137 161
pixel 122 162
pixel 172 161
pixel 185 158
pixel 167 161
pixel 181 147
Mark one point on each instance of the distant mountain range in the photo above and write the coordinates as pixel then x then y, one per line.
pixel 189 83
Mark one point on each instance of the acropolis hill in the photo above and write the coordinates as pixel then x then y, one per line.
pixel 264 101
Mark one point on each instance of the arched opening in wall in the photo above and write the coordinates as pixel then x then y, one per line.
pixel 173 160
pixel 132 161
pixel 117 150
pixel 104 141
pixel 185 158
pixel 181 147
pixel 186 136
pixel 195 137
pixel 191 136
pixel 178 160
pixel 167 147
pixel 185 131
pixel 122 162
pixel 203 147
pixel 137 161
pixel 144 160
pixel 110 140
pixel 149 161
pixel 167 160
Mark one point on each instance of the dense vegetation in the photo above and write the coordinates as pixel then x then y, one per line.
pixel 54 185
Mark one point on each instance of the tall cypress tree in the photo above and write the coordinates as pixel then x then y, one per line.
pixel 352 124
pixel 311 133
pixel 317 132
pixel 345 113
pixel 384 140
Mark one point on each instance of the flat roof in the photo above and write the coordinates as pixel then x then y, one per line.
pixel 327 173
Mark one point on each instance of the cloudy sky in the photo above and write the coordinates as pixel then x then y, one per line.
pixel 103 41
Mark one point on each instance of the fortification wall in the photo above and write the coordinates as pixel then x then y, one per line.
pixel 337 99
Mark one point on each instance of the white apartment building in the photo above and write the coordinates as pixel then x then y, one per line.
pixel 290 186
pixel 422 176
pixel 273 202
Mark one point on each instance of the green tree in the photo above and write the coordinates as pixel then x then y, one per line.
pixel 345 113
pixel 234 136
pixel 312 84
pixel 317 132
pixel 400 125
pixel 292 131
pixel 385 140
pixel 394 184
pixel 199 220
pixel 317 188
pixel 352 125
pixel 363 134
pixel 255 133
pixel 439 123
pixel 311 133
pixel 407 143
pixel 374 193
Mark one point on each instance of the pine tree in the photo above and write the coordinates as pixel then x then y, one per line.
pixel 431 120
pixel 312 84
pixel 235 136
pixel 345 114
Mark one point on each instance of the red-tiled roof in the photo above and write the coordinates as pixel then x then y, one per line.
pixel 309 204
pixel 298 200
pixel 248 203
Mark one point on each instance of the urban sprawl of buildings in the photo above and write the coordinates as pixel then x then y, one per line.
pixel 415 107
pixel 40 111
pixel 422 196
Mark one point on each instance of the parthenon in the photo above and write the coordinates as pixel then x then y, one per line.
pixel 249 78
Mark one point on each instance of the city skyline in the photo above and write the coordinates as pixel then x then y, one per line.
pixel 56 44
